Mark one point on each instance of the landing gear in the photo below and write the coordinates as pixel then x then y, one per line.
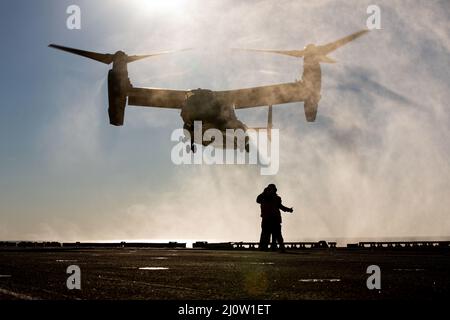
pixel 190 148
pixel 246 147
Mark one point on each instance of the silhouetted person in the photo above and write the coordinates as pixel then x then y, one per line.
pixel 271 218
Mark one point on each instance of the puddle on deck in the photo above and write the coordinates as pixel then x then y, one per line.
pixel 319 280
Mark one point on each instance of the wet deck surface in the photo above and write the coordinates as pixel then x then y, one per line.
pixel 206 274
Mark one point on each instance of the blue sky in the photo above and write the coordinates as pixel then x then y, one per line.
pixel 376 156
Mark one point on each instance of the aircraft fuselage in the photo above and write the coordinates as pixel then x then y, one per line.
pixel 203 105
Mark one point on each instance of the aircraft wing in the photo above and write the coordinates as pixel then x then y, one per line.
pixel 265 95
pixel 157 98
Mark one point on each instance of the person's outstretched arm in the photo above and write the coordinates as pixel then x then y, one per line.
pixel 283 208
pixel 286 209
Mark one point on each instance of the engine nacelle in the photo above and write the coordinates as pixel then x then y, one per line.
pixel 312 80
pixel 117 96
pixel 311 106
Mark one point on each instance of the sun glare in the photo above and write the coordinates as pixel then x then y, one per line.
pixel 163 6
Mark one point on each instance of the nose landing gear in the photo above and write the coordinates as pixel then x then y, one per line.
pixel 192 147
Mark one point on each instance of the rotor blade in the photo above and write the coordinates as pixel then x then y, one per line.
pixel 139 57
pixel 321 50
pixel 105 58
pixel 329 47
pixel 291 53
pixel 326 59
pixel 136 58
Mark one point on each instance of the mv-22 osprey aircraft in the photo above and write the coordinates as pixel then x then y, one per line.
pixel 216 109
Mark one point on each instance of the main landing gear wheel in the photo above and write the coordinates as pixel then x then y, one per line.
pixel 192 148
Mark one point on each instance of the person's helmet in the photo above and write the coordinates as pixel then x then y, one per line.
pixel 272 187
